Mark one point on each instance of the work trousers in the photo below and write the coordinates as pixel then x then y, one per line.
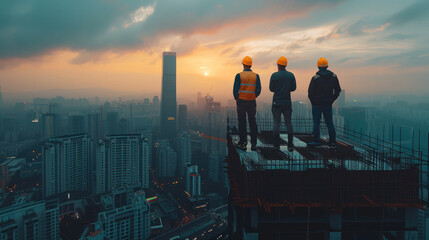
pixel 247 108
pixel 286 110
pixel 327 115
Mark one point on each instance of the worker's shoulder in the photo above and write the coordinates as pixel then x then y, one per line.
pixel 316 76
pixel 284 74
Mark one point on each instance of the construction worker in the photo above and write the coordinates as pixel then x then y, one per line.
pixel 323 90
pixel 282 83
pixel 247 87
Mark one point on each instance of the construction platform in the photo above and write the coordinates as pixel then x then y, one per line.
pixel 356 190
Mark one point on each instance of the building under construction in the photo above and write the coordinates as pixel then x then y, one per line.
pixel 366 188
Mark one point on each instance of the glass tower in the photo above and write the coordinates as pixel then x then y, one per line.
pixel 168 96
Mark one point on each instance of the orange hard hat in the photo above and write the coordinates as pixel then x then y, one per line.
pixel 247 61
pixel 322 62
pixel 282 61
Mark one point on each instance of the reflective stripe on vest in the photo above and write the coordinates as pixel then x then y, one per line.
pixel 247 86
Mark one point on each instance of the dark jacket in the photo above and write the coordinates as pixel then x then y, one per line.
pixel 237 83
pixel 281 84
pixel 324 88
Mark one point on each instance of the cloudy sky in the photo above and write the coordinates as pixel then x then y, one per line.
pixel 373 46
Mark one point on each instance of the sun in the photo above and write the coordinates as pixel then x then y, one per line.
pixel 205 74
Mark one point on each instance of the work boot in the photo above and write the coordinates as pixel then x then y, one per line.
pixel 290 143
pixel 276 141
pixel 253 148
pixel 332 145
pixel 241 145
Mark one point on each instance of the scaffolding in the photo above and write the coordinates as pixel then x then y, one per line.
pixel 363 171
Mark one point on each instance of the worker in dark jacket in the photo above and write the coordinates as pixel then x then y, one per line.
pixel 282 83
pixel 247 87
pixel 323 90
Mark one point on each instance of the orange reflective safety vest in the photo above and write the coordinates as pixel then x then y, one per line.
pixel 247 86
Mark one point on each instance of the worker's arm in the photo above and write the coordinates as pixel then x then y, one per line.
pixel 293 83
pixel 258 86
pixel 311 90
pixel 337 88
pixel 236 88
pixel 272 83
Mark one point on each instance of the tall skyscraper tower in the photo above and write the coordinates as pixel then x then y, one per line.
pixel 65 164
pixel 168 96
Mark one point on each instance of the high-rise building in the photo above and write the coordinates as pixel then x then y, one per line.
pixel 183 117
pixel 155 102
pixel 168 96
pixel 50 125
pixel 76 124
pixel 193 181
pixel 200 102
pixel 65 164
pixel 111 123
pixel 127 159
pixel 26 219
pixel 166 157
pixel 184 153
pixel 100 170
pixel 215 164
pixel 126 215
pixel 94 134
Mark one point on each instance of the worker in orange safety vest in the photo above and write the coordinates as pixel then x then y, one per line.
pixel 247 87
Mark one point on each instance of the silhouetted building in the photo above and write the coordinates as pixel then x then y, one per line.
pixel 125 158
pixel 168 96
pixel 155 102
pixel 184 153
pixel 201 103
pixel 166 158
pixel 65 164
pixel 183 117
pixel 111 123
pixel 215 164
pixel 76 124
pixel 26 219
pixel 126 215
pixel 193 181
pixel 50 125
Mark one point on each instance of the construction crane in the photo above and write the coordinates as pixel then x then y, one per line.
pixel 214 138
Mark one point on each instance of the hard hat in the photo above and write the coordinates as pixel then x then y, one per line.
pixel 322 62
pixel 247 61
pixel 282 61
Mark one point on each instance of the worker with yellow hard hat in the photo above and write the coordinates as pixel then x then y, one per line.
pixel 282 83
pixel 247 87
pixel 323 90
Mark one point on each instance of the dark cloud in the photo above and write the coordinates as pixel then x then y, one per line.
pixel 33 27
pixel 413 13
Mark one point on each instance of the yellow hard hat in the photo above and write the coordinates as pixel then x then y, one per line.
pixel 247 61
pixel 322 62
pixel 282 61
